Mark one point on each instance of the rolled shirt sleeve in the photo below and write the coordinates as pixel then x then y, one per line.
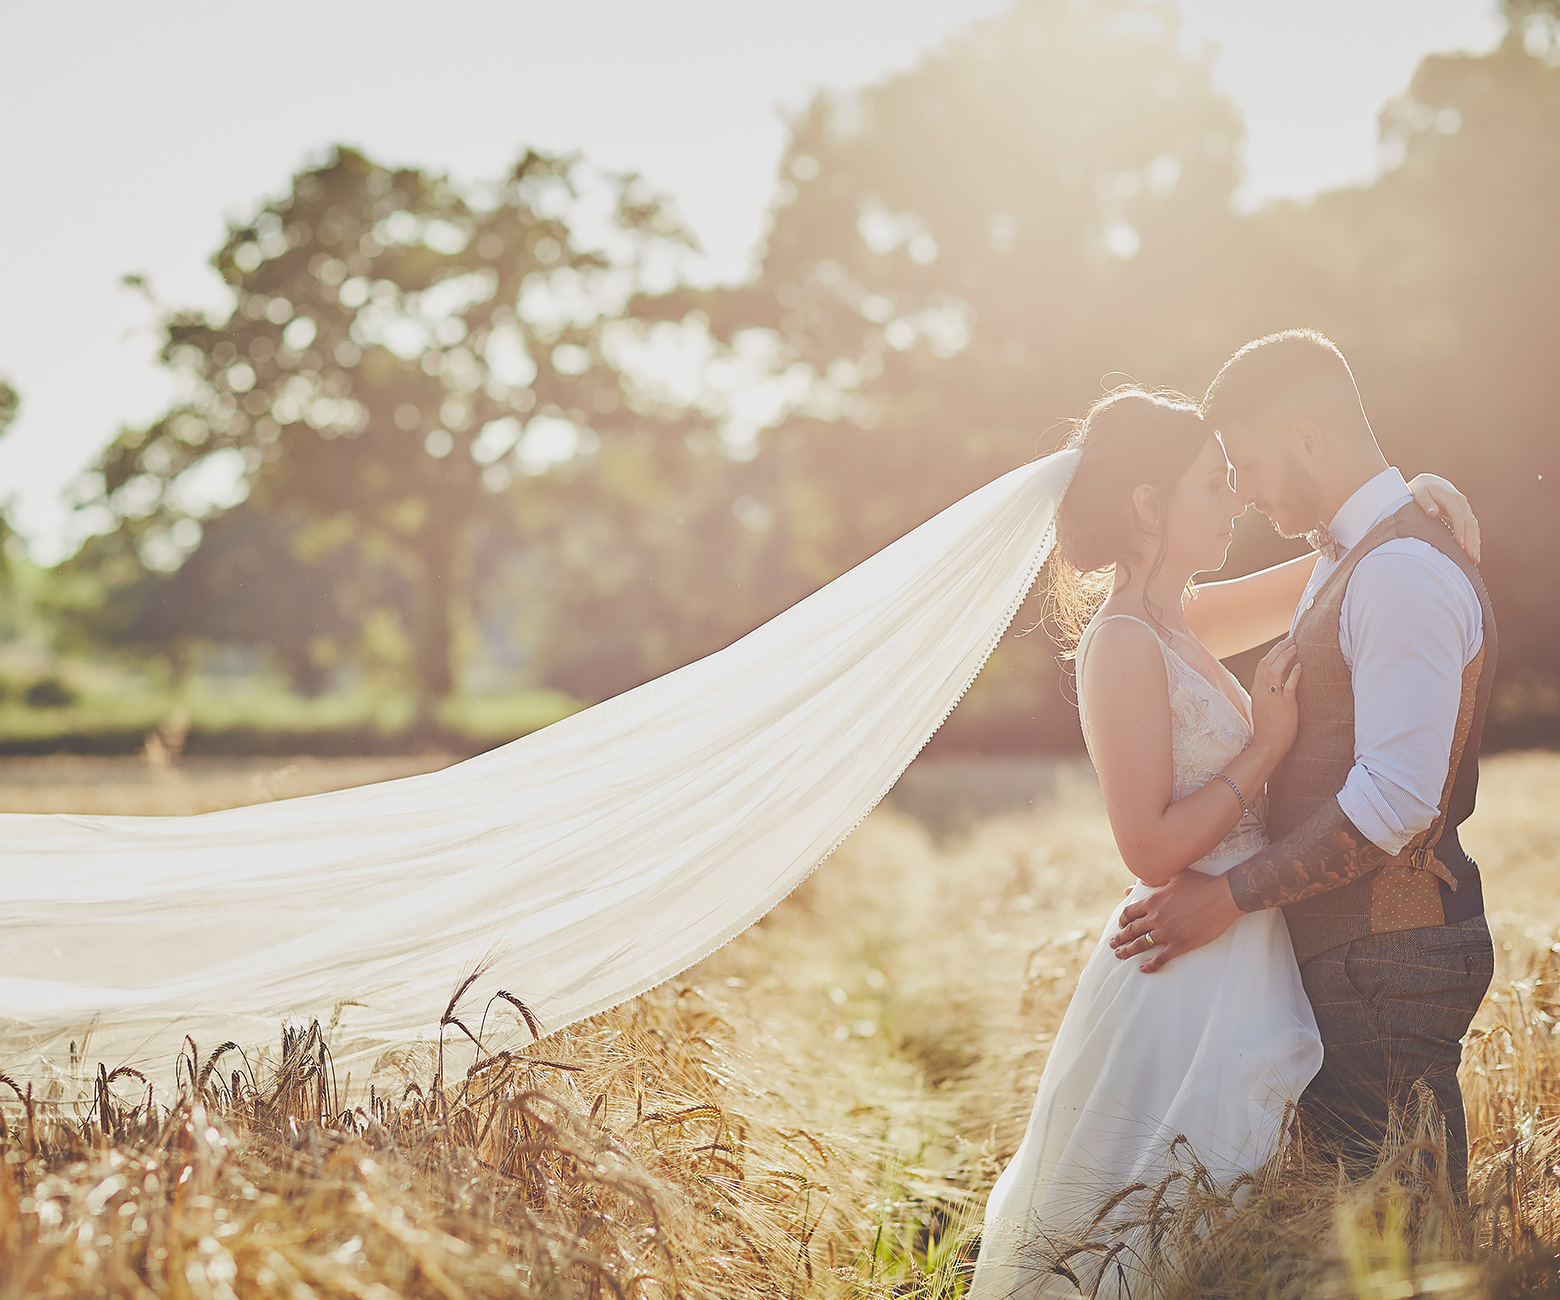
pixel 1411 623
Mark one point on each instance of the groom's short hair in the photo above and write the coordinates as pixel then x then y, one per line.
pixel 1294 364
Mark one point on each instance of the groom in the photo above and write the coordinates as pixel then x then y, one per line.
pixel 1397 641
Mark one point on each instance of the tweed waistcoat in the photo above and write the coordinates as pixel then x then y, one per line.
pixel 1431 881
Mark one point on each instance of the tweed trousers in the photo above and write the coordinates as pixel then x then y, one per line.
pixel 1392 1010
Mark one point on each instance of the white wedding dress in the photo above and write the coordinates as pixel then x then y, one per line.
pixel 1212 1048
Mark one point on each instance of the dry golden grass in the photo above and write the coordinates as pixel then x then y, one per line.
pixel 817 1110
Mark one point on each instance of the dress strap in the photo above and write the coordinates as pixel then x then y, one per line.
pixel 1131 618
pixel 1098 623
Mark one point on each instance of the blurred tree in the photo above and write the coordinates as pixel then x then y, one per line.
pixel 250 582
pixel 965 251
pixel 10 406
pixel 400 359
pixel 639 569
pixel 965 255
pixel 1520 13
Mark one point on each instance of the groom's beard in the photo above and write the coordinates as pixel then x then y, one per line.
pixel 1298 507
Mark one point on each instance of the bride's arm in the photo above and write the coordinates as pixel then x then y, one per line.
pixel 1127 697
pixel 1236 615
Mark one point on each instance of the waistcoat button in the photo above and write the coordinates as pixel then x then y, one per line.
pixel 1310 602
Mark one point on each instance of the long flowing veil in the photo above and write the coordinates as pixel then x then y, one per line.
pixel 578 866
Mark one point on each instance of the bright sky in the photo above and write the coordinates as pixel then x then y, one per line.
pixel 128 133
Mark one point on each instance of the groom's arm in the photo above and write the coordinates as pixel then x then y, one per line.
pixel 1323 852
pixel 1326 850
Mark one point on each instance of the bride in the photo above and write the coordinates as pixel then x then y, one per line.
pixel 1217 1046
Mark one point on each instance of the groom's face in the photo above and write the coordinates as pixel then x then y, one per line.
pixel 1271 475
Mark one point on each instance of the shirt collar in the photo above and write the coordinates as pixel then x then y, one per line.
pixel 1371 502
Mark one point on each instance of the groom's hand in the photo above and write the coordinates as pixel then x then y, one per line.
pixel 1188 912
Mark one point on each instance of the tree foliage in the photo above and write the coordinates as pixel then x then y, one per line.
pixel 401 363
pixel 10 405
pixel 963 251
pixel 961 257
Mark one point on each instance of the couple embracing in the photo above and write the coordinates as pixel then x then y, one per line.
pixel 1305 926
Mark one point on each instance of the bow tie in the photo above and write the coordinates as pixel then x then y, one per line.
pixel 1323 541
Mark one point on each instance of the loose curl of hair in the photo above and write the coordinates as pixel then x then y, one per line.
pixel 1129 437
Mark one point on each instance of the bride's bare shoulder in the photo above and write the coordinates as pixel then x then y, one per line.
pixel 1120 652
pixel 1124 703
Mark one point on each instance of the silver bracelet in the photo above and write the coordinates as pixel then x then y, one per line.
pixel 1244 811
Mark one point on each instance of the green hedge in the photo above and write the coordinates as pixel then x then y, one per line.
pixel 256 721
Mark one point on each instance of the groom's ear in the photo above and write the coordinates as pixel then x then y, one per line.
pixel 1308 439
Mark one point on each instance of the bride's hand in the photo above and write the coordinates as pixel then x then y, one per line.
pixel 1440 500
pixel 1275 712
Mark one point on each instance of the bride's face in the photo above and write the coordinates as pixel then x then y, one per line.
pixel 1202 513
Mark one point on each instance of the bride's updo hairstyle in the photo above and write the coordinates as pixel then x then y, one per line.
pixel 1128 438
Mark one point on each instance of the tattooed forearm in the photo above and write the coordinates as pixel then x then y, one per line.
pixel 1323 852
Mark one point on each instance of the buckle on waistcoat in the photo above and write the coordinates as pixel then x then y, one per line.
pixel 1424 859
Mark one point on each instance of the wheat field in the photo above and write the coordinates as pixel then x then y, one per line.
pixel 818 1110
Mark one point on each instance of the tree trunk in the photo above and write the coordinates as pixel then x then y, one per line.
pixel 433 636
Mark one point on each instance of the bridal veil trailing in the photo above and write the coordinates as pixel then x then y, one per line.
pixel 579 866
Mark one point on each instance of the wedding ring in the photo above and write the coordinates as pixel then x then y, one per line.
pixel 1149 935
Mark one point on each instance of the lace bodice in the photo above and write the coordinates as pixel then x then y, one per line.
pixel 1207 731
